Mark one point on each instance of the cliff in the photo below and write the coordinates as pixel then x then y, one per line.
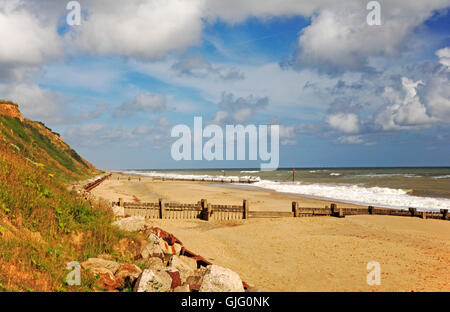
pixel 40 146
pixel 10 109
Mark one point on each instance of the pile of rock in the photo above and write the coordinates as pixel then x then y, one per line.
pixel 167 266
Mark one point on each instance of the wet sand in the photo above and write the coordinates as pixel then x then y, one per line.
pixel 301 254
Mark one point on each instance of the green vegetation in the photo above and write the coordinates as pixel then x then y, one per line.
pixel 40 145
pixel 43 225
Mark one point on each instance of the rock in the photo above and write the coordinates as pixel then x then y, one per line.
pixel 153 248
pixel 219 279
pixel 185 265
pixel 155 263
pixel 107 280
pixel 195 280
pixel 184 288
pixel 93 264
pixel 153 281
pixel 176 280
pixel 127 274
pixel 131 224
pixel 169 250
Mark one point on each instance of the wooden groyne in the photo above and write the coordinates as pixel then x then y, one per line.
pixel 171 210
pixel 243 180
pixel 90 186
pixel 206 211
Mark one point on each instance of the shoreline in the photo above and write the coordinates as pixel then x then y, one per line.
pixel 421 203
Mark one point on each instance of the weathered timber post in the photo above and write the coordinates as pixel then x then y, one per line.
pixel 204 205
pixel 341 213
pixel 444 213
pixel 370 210
pixel 245 209
pixel 294 209
pixel 162 209
pixel 412 211
pixel 207 212
pixel 333 208
pixel 424 214
pixel 121 202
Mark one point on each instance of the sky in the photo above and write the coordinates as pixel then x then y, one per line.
pixel 345 93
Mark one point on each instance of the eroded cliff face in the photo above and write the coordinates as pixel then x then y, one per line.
pixel 10 109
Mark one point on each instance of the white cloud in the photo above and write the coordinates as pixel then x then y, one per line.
pixel 444 56
pixel 35 102
pixel 347 123
pixel 26 40
pixel 143 102
pixel 238 110
pixel 405 109
pixel 353 139
pixel 340 39
pixel 141 29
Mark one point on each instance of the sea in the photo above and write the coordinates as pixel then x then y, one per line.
pixel 424 188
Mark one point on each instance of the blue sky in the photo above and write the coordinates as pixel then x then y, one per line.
pixel 344 93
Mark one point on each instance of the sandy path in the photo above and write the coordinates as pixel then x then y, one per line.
pixel 304 254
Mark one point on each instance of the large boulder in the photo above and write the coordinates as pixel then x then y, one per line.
pixel 131 224
pixel 219 279
pixel 153 281
pixel 95 264
pixel 127 274
pixel 185 265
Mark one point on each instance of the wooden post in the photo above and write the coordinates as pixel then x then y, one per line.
pixel 333 209
pixel 206 212
pixel 162 210
pixel 294 209
pixel 412 211
pixel 204 205
pixel 444 213
pixel 341 213
pixel 424 214
pixel 370 210
pixel 245 209
pixel 121 202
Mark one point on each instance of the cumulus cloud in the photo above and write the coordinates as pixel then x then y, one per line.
pixel 27 41
pixel 238 110
pixel 143 102
pixel 347 123
pixel 136 28
pixel 340 39
pixel 37 103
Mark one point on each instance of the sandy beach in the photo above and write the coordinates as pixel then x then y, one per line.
pixel 300 254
